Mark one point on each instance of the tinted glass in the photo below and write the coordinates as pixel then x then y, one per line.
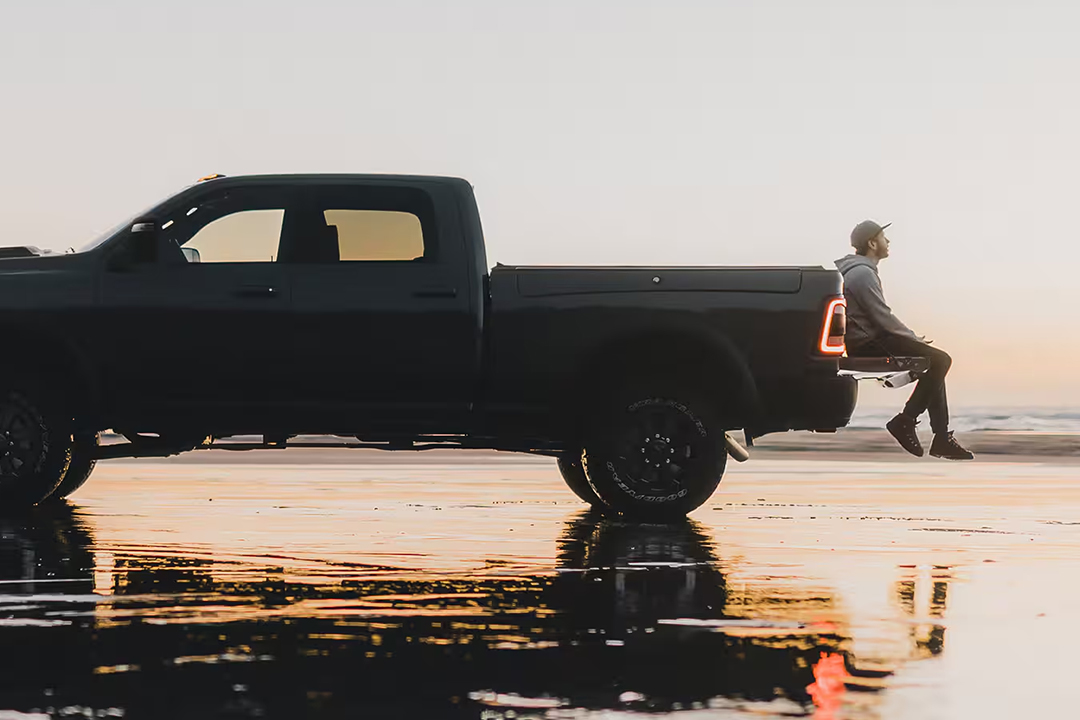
pixel 376 234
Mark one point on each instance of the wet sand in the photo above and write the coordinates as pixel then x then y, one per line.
pixel 304 583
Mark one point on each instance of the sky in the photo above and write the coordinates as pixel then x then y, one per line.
pixel 605 132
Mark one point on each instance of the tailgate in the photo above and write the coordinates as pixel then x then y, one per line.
pixel 885 369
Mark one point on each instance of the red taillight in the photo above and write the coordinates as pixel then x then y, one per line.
pixel 833 328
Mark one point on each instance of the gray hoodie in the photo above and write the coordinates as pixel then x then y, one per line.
pixel 868 315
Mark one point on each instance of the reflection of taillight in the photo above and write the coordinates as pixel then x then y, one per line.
pixel 833 328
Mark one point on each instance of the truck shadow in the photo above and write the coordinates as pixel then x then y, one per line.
pixel 635 617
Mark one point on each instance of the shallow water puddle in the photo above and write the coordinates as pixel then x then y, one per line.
pixel 484 590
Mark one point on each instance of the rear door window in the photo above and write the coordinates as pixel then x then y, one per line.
pixel 361 223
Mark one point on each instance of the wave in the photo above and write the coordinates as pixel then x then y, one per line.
pixel 1012 420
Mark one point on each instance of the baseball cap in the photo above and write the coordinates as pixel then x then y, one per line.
pixel 864 232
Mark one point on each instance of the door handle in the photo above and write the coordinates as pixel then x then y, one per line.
pixel 252 291
pixel 436 293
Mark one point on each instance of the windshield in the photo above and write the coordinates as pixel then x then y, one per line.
pixel 100 239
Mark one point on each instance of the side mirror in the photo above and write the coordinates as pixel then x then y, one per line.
pixel 140 248
pixel 191 255
pixel 143 243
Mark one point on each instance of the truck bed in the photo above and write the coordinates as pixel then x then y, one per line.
pixel 546 323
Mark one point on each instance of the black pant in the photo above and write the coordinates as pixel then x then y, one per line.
pixel 929 393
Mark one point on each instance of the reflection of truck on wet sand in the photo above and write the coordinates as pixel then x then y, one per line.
pixel 611 626
pixel 362 307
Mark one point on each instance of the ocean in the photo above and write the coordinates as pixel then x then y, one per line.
pixel 1046 420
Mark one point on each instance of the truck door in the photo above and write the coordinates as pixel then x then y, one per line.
pixel 201 328
pixel 383 331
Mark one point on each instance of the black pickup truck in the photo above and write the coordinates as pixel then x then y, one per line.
pixel 362 308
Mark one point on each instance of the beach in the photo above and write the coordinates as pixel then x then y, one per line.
pixel 988 445
pixel 329 583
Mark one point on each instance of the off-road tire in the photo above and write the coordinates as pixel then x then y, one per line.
pixel 83 448
pixel 35 447
pixel 573 473
pixel 655 453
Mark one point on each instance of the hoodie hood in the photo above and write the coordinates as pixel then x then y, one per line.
pixel 849 261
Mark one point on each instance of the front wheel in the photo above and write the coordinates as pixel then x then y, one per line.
pixel 656 456
pixel 573 473
pixel 83 449
pixel 35 447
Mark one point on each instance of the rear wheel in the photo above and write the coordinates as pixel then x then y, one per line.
pixel 83 448
pixel 35 447
pixel 573 472
pixel 655 455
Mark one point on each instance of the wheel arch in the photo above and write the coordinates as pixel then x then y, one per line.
pixel 699 355
pixel 53 358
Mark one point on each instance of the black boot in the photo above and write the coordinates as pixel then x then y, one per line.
pixel 902 428
pixel 946 447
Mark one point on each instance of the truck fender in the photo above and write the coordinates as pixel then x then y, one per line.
pixel 690 349
pixel 49 355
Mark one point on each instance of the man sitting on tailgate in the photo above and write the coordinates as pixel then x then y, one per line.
pixel 874 331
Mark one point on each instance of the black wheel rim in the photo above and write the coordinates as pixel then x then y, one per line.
pixel 658 450
pixel 22 439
